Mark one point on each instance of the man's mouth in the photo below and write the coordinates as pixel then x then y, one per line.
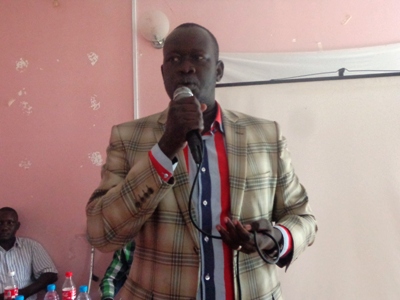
pixel 190 85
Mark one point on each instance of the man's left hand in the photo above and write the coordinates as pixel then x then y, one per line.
pixel 240 236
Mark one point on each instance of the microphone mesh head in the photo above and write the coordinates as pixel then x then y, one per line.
pixel 182 92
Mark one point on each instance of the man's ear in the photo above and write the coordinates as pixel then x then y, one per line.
pixel 162 71
pixel 220 70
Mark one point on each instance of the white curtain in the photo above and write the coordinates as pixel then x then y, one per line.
pixel 242 67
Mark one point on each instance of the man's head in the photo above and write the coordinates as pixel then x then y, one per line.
pixel 191 59
pixel 9 224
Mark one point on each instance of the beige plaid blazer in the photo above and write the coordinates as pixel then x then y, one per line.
pixel 132 202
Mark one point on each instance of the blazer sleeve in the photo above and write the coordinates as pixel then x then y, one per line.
pixel 291 205
pixel 129 191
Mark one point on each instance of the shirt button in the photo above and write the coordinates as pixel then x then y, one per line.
pixel 203 169
pixel 205 202
pixel 207 277
pixel 206 239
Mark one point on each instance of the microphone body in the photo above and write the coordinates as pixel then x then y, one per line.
pixel 193 137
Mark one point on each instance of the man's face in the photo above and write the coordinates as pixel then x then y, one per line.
pixel 190 60
pixel 8 225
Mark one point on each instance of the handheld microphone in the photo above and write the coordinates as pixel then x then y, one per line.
pixel 193 137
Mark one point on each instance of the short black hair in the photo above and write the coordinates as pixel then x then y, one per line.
pixel 9 209
pixel 213 38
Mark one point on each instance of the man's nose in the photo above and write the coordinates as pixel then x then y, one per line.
pixel 187 66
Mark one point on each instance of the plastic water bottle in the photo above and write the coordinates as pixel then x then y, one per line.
pixel 11 289
pixel 51 293
pixel 68 288
pixel 83 293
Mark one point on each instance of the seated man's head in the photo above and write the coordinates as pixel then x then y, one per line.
pixel 8 223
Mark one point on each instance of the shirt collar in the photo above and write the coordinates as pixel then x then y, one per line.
pixel 17 244
pixel 217 124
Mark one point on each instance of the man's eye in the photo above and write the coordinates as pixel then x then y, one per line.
pixel 8 223
pixel 174 59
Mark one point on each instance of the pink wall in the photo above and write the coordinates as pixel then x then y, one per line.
pixel 57 105
pixel 56 111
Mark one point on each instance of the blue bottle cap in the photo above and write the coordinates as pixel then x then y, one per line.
pixel 51 287
pixel 19 297
pixel 83 289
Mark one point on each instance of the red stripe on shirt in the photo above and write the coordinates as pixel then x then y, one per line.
pixel 225 209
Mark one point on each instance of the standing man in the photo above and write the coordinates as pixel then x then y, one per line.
pixel 247 210
pixel 33 267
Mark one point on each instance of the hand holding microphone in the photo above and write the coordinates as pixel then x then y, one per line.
pixel 193 137
pixel 184 124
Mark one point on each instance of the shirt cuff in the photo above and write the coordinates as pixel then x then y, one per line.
pixel 287 240
pixel 163 165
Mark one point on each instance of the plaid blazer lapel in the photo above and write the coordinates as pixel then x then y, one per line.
pixel 236 147
pixel 182 185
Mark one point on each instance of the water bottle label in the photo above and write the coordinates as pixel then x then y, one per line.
pixel 10 293
pixel 69 294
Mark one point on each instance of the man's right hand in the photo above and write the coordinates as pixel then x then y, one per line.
pixel 184 115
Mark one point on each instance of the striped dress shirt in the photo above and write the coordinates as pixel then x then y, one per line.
pixel 28 259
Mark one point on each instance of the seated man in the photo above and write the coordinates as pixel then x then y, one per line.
pixel 117 272
pixel 33 267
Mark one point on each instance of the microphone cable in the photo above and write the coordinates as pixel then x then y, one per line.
pixel 190 203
